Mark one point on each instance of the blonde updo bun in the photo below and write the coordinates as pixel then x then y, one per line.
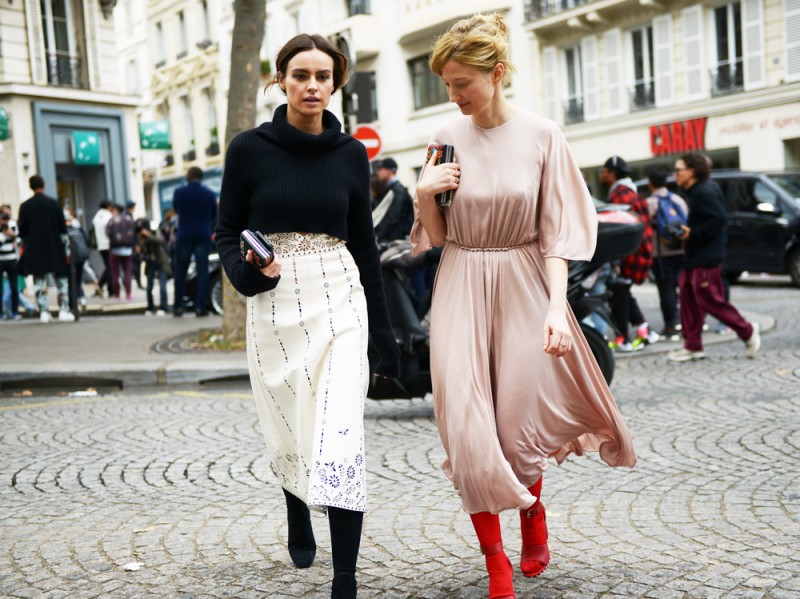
pixel 480 41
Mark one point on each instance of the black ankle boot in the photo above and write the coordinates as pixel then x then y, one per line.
pixel 302 547
pixel 344 586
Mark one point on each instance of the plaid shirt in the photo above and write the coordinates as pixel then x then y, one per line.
pixel 636 266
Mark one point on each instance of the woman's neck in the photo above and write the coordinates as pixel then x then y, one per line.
pixel 498 112
pixel 307 124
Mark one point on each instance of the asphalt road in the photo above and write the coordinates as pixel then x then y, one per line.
pixel 158 492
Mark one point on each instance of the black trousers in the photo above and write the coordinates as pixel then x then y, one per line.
pixel 624 308
pixel 666 271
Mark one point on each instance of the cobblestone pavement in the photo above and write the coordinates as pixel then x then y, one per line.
pixel 178 482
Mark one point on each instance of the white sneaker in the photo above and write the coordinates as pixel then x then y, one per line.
pixel 161 313
pixel 66 316
pixel 82 301
pixel 149 313
pixel 754 343
pixel 45 317
pixel 685 355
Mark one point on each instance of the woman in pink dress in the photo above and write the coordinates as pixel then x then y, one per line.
pixel 514 382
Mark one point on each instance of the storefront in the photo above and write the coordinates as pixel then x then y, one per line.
pixel 765 139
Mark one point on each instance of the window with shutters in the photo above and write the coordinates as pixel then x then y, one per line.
pixel 64 65
pixel 573 106
pixel 182 42
pixel 161 55
pixel 428 87
pixel 642 91
pixel 791 20
pixel 727 74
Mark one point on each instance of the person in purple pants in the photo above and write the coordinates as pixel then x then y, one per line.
pixel 701 288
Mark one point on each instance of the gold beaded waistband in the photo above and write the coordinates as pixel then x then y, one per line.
pixel 298 244
pixel 469 248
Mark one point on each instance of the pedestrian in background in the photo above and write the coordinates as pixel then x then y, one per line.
pixel 79 255
pixel 196 209
pixel 121 232
pixel 43 232
pixel 305 184
pixel 136 258
pixel 395 208
pixel 514 381
pixel 701 288
pixel 668 258
pixel 9 256
pixel 99 223
pixel 632 269
pixel 157 264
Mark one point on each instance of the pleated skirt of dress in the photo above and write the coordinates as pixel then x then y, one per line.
pixel 307 355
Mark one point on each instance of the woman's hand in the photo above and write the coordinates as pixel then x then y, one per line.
pixel 271 270
pixel 686 233
pixel 556 339
pixel 437 178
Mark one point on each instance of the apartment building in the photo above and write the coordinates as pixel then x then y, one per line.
pixel 186 96
pixel 650 79
pixel 66 117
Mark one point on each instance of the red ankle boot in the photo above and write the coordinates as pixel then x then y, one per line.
pixel 535 552
pixel 501 574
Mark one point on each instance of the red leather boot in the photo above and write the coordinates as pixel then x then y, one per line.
pixel 501 574
pixel 535 552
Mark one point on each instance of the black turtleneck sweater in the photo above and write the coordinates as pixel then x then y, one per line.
pixel 278 179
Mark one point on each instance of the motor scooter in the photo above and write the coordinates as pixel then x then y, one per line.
pixel 619 233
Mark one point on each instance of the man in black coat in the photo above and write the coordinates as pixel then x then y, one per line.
pixel 43 231
pixel 395 206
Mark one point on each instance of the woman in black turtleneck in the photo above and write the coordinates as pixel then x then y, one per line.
pixel 305 185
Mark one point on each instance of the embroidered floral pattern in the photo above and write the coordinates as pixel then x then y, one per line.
pixel 298 244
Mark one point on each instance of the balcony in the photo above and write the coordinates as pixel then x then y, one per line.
pixel 573 111
pixel 643 96
pixel 64 71
pixel 539 9
pixel 727 78
pixel 422 19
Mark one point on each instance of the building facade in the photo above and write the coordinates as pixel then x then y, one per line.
pixel 655 78
pixel 68 118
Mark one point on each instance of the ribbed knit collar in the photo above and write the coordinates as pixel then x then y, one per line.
pixel 284 134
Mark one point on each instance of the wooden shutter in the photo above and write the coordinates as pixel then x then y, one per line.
pixel 615 90
pixel 791 20
pixel 36 49
pixel 755 75
pixel 662 61
pixel 694 68
pixel 591 91
pixel 550 83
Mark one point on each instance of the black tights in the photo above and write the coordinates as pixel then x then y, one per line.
pixel 345 538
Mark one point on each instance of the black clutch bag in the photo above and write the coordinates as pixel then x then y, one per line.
pixel 261 246
pixel 444 154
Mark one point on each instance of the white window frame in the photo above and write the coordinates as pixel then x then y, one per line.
pixel 161 50
pixel 648 60
pixel 50 48
pixel 576 80
pixel 188 123
pixel 182 38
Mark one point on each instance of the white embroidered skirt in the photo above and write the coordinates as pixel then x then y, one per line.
pixel 307 355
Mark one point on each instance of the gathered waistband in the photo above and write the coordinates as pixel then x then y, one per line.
pixel 508 248
pixel 299 244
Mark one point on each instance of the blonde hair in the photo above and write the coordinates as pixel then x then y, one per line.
pixel 480 41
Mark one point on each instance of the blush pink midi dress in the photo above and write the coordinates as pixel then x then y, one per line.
pixel 503 406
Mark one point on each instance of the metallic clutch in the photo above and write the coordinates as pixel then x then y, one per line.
pixel 261 246
pixel 444 154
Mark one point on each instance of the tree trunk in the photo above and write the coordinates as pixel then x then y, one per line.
pixel 248 35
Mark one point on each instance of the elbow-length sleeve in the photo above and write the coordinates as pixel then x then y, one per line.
pixel 567 219
pixel 233 213
pixel 420 242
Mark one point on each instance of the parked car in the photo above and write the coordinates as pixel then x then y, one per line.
pixel 215 286
pixel 763 221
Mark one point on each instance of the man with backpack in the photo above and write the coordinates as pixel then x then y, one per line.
pixel 121 231
pixel 668 211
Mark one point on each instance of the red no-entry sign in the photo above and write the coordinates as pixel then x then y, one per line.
pixel 370 138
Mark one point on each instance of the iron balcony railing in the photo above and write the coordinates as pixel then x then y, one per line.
pixel 643 96
pixel 573 111
pixel 538 9
pixel 727 78
pixel 64 71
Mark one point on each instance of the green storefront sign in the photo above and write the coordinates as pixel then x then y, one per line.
pixel 154 136
pixel 85 148
pixel 3 124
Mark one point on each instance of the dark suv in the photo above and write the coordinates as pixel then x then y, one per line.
pixel 763 221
